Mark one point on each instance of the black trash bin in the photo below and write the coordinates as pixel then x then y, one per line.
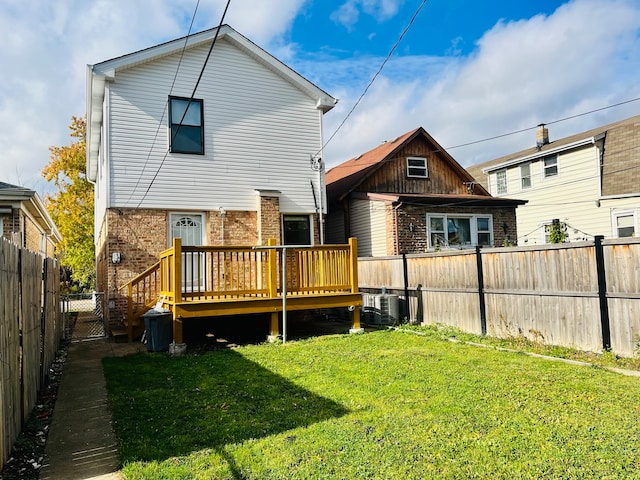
pixel 159 330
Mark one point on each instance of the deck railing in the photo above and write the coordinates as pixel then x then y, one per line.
pixel 219 273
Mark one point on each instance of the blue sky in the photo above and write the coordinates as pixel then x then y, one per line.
pixel 465 71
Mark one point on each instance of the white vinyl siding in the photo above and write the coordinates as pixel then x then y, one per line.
pixel 259 131
pixel 369 227
pixel 573 196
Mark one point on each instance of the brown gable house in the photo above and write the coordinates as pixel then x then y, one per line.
pixel 410 196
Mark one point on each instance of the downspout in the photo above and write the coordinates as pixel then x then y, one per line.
pixel 396 233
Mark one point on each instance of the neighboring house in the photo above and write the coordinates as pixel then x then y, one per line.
pixel 236 169
pixel 589 181
pixel 25 221
pixel 409 196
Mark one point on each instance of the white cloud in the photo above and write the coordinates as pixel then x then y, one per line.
pixel 46 46
pixel 584 56
pixel 348 13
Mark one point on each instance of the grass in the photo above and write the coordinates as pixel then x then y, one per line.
pixel 520 343
pixel 384 405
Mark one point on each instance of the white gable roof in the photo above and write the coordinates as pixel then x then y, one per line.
pixel 99 73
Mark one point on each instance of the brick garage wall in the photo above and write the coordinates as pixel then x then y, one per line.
pixel 416 241
pixel 32 235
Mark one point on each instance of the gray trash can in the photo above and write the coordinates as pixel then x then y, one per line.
pixel 159 330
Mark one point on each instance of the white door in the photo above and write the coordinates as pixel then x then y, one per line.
pixel 189 228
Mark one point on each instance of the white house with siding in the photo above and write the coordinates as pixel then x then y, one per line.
pixel 237 163
pixel 589 181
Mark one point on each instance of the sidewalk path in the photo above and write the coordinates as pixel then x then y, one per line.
pixel 81 444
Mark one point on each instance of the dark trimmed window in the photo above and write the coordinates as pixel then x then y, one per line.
pixel 296 229
pixel 187 129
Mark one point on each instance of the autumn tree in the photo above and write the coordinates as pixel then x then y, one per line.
pixel 71 207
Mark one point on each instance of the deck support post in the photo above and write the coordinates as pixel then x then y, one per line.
pixel 177 347
pixel 353 277
pixel 274 334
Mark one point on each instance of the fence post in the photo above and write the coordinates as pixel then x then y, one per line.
pixel 405 274
pixel 602 292
pixel 483 307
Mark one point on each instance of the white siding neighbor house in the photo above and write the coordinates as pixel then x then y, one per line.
pixel 227 163
pixel 590 182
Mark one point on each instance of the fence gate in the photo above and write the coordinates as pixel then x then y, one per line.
pixel 83 316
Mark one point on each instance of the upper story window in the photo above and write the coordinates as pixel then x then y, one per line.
pixel 525 176
pixel 624 224
pixel 187 125
pixel 501 182
pixel 550 166
pixel 417 167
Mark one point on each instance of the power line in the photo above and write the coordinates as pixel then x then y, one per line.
pixel 373 79
pixel 515 132
pixel 164 110
pixel 195 88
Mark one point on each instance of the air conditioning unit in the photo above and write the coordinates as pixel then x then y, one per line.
pixel 380 309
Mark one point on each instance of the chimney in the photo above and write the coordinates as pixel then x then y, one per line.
pixel 542 135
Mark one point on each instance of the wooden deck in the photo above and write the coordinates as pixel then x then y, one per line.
pixel 201 281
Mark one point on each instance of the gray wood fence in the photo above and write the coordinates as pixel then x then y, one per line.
pixel 30 333
pixel 583 295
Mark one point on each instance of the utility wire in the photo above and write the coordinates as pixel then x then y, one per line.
pixel 195 88
pixel 444 149
pixel 164 110
pixel 373 79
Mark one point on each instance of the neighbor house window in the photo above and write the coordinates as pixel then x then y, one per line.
pixel 525 176
pixel 187 125
pixel 296 229
pixel 417 167
pixel 460 231
pixel 501 182
pixel 624 224
pixel 550 166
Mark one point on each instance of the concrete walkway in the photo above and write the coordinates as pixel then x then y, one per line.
pixel 81 444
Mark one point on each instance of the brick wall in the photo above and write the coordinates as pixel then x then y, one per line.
pixel 412 226
pixel 269 219
pixel 240 228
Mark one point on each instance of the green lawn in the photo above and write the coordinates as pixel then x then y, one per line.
pixel 385 405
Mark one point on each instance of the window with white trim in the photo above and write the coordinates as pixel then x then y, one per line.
pixel 501 182
pixel 186 125
pixel 625 224
pixel 525 176
pixel 417 167
pixel 459 231
pixel 550 165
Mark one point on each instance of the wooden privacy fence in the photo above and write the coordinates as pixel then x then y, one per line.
pixel 30 332
pixel 584 295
